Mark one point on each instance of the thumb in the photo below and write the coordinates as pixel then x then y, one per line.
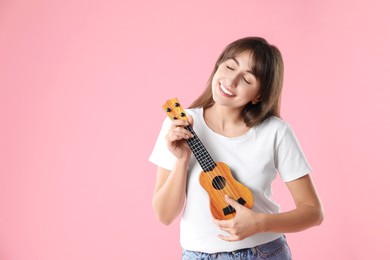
pixel 190 120
pixel 232 202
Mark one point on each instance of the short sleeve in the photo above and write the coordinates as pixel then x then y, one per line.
pixel 289 158
pixel 160 155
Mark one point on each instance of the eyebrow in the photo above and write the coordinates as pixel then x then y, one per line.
pixel 249 71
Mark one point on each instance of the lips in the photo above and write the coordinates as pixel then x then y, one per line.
pixel 225 91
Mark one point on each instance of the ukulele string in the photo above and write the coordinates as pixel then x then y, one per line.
pixel 228 190
pixel 218 182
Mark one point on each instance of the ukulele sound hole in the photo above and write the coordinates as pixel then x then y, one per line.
pixel 219 182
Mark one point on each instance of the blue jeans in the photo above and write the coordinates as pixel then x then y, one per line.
pixel 274 250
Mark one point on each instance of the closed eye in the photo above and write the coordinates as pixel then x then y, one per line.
pixel 246 81
pixel 230 68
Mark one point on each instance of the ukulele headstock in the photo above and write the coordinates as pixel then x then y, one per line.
pixel 174 110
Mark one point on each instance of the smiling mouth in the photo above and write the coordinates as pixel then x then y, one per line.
pixel 225 91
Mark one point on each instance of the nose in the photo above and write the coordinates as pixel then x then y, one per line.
pixel 234 79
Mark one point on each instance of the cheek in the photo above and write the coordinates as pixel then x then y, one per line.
pixel 250 94
pixel 214 81
pixel 220 72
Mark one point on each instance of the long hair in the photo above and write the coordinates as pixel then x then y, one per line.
pixel 267 65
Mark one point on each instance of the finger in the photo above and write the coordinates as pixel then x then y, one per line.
pixel 174 137
pixel 190 120
pixel 178 122
pixel 223 224
pixel 182 132
pixel 233 203
pixel 179 125
pixel 228 238
pixel 179 132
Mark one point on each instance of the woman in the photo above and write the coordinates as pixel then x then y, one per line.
pixel 237 118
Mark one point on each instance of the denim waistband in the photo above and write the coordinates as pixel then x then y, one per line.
pixel 273 250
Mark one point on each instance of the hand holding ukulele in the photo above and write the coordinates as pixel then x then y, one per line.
pixel 216 178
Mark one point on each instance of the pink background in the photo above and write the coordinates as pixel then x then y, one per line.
pixel 81 88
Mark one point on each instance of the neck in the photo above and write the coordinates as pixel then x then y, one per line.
pixel 225 121
pixel 223 117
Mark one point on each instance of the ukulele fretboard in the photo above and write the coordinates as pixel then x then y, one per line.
pixel 204 158
pixel 175 111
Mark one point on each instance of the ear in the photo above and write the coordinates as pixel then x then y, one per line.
pixel 256 100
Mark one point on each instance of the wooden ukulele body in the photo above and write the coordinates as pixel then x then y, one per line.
pixel 219 182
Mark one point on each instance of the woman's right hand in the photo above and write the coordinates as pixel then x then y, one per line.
pixel 176 139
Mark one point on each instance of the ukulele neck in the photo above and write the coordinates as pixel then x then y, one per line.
pixel 201 154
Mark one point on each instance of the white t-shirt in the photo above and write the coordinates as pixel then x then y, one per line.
pixel 254 160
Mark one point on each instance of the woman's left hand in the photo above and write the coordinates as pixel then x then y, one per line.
pixel 245 223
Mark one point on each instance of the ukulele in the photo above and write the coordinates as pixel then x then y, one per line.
pixel 216 177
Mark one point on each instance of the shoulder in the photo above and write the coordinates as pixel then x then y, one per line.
pixel 273 124
pixel 274 128
pixel 196 113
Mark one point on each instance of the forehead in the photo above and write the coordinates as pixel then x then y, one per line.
pixel 239 57
pixel 243 59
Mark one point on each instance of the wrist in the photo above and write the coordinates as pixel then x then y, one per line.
pixel 183 163
pixel 263 223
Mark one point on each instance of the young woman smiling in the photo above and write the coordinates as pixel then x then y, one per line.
pixel 238 120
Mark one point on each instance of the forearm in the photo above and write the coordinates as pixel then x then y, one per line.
pixel 296 220
pixel 308 213
pixel 169 198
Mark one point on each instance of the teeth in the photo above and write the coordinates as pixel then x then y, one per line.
pixel 226 91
